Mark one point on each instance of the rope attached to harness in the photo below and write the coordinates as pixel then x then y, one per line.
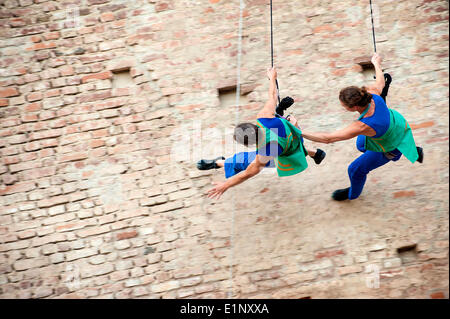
pixel 387 76
pixel 373 28
pixel 271 46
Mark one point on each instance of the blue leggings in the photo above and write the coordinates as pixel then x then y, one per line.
pixel 368 161
pixel 239 162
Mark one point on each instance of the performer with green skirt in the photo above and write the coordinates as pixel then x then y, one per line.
pixel 383 134
pixel 278 143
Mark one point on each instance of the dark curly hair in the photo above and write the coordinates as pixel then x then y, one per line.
pixel 354 96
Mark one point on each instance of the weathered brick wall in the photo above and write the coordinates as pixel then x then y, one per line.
pixel 93 205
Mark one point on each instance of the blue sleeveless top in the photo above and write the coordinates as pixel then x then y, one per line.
pixel 277 127
pixel 380 119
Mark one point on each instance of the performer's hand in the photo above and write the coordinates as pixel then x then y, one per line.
pixel 376 59
pixel 218 190
pixel 272 73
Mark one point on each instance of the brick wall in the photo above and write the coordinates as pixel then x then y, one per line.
pixel 94 95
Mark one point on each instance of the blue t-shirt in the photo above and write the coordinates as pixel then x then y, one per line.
pixel 275 125
pixel 380 120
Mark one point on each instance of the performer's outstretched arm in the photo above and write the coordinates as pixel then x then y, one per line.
pixel 353 130
pixel 253 169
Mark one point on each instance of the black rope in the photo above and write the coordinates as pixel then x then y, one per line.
pixel 271 32
pixel 387 76
pixel 271 47
pixel 373 28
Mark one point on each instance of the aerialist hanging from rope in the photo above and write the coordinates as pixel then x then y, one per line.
pixel 383 134
pixel 278 142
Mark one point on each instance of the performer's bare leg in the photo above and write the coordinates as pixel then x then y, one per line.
pixel 318 155
pixel 220 163
pixel 311 153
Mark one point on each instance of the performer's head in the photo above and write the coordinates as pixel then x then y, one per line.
pixel 353 98
pixel 247 134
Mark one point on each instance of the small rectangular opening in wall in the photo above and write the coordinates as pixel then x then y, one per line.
pixel 227 97
pixel 369 75
pixel 407 253
pixel 368 70
pixel 227 89
pixel 122 78
pixel 366 65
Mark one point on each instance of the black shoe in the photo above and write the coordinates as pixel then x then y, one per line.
pixel 204 165
pixel 341 194
pixel 320 155
pixel 420 151
pixel 387 83
pixel 284 105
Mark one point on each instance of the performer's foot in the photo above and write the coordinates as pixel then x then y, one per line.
pixel 341 194
pixel 284 105
pixel 420 151
pixel 204 165
pixel 387 81
pixel 320 155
